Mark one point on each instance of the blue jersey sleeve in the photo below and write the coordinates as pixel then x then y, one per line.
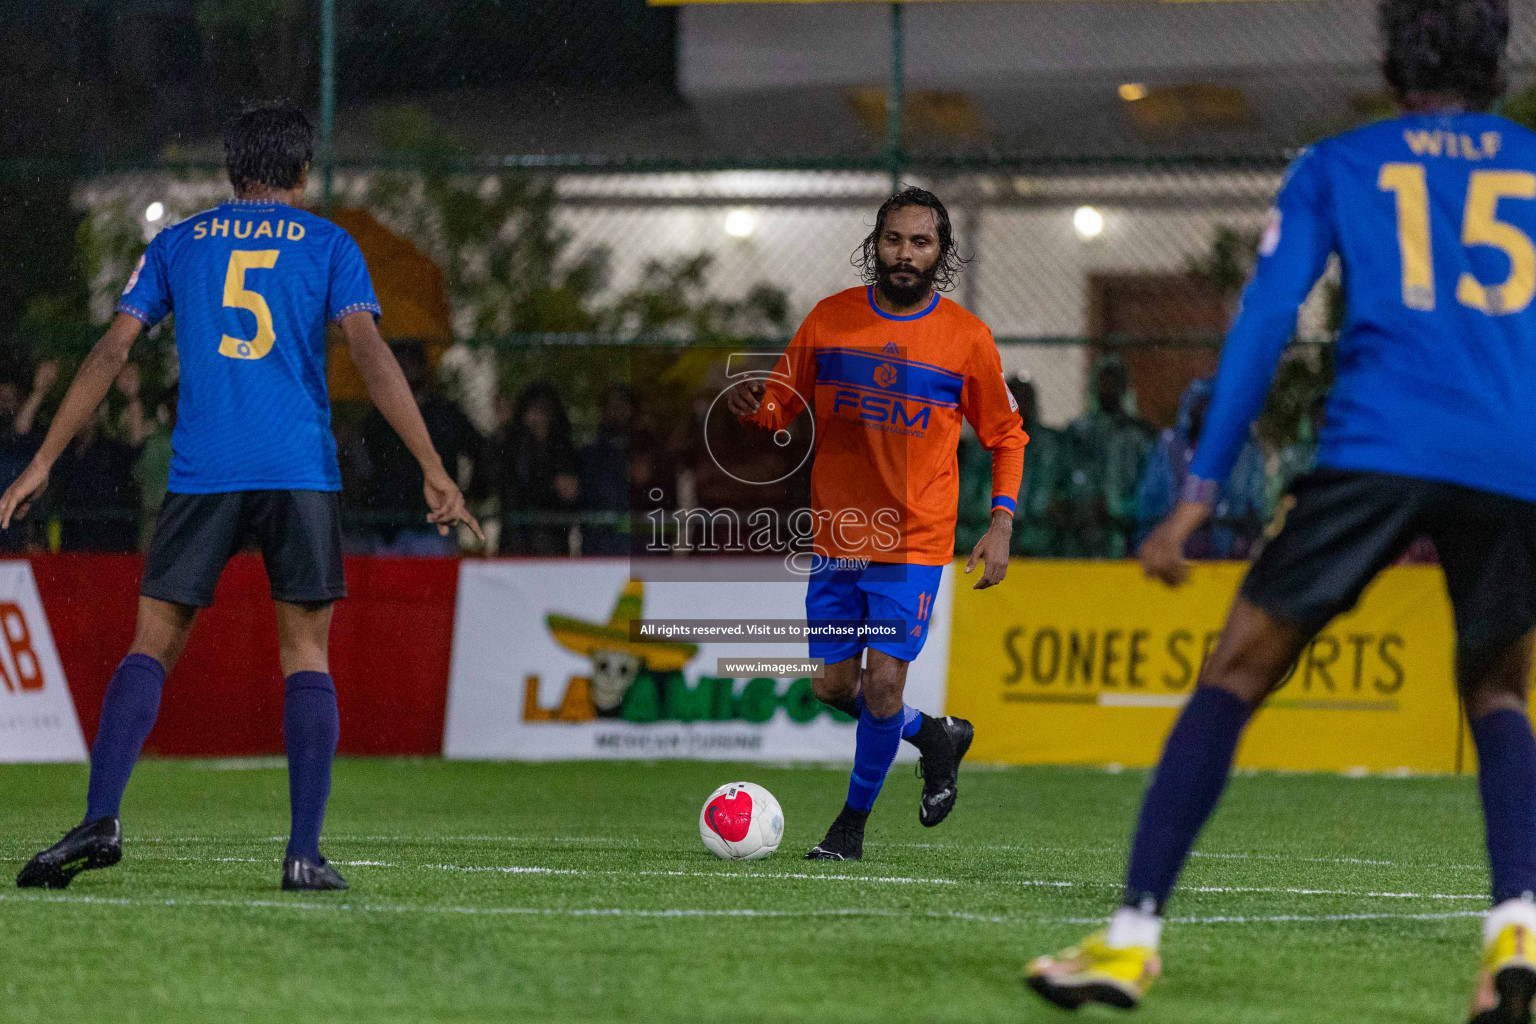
pixel 147 296
pixel 351 289
pixel 1292 255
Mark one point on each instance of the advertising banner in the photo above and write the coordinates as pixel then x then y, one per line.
pixel 1089 663
pixel 547 666
pixel 37 715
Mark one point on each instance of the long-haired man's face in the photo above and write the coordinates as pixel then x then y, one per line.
pixel 907 254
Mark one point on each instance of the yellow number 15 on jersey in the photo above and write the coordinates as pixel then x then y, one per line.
pixel 238 296
pixel 1479 226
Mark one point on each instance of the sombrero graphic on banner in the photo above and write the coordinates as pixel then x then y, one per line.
pixel 616 658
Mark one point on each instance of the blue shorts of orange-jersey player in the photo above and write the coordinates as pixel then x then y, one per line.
pixel 841 592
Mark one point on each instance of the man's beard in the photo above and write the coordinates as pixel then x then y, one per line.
pixel 904 295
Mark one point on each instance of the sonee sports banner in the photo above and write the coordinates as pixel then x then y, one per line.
pixel 1089 663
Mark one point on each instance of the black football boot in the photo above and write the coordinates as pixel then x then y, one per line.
pixel 943 743
pixel 96 844
pixel 301 874
pixel 845 839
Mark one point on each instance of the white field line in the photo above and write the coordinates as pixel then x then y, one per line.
pixel 247 840
pixel 1122 851
pixel 1341 860
pixel 640 843
pixel 534 869
pixel 238 764
pixel 746 912
pixel 1310 918
pixel 517 869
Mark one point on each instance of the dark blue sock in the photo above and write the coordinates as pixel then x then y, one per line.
pixel 875 745
pixel 311 726
pixel 1185 787
pixel 1506 777
pixel 128 712
pixel 911 717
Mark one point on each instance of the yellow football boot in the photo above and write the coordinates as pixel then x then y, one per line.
pixel 1507 980
pixel 1092 972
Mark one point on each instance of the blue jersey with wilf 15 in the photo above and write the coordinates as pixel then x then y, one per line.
pixel 252 286
pixel 1433 217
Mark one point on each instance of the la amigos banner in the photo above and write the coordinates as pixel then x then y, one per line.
pixel 545 668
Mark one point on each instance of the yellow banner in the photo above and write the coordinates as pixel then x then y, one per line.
pixel 1088 663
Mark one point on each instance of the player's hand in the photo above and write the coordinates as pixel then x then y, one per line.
pixel 745 398
pixel 18 497
pixel 446 503
pixel 1162 553
pixel 992 552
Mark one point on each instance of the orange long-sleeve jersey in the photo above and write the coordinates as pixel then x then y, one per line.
pixel 887 394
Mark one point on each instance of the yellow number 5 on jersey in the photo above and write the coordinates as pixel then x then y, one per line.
pixel 1480 226
pixel 238 296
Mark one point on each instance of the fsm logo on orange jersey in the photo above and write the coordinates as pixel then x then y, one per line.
pixel 882 409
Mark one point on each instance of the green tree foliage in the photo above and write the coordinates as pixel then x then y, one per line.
pixel 516 279
pixel 508 266
pixel 673 298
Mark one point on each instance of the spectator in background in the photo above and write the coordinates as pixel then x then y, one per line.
pixel 133 424
pixel 19 440
pixel 1043 506
pixel 1043 510
pixel 1295 457
pixel 391 477
pixel 95 494
pixel 652 474
pixel 153 471
pixel 1237 519
pixel 603 476
pixel 1109 448
pixel 535 474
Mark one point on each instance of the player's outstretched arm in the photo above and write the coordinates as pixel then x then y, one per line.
pixel 87 391
pixel 388 388
pixel 1292 255
pixel 987 406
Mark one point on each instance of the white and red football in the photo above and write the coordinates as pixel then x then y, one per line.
pixel 741 821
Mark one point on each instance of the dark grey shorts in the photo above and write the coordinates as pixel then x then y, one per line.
pixel 1348 525
pixel 298 532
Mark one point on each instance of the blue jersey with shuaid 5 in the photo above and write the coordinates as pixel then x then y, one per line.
pixel 252 286
pixel 1433 218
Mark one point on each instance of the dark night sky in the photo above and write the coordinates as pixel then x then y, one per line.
pixel 83 81
pixel 126 77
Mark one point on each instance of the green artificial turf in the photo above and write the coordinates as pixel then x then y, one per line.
pixel 581 892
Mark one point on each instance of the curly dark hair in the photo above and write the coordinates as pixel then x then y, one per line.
pixel 950 261
pixel 268 144
pixel 1446 46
